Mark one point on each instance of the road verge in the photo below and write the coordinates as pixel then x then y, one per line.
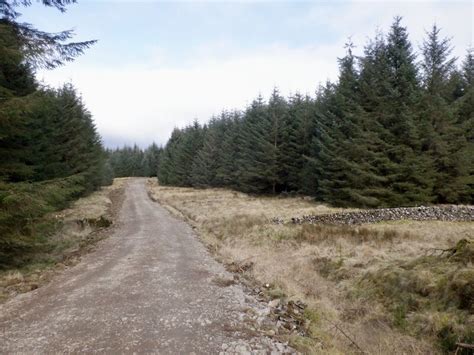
pixel 77 231
pixel 368 288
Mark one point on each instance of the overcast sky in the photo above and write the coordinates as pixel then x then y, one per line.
pixel 160 64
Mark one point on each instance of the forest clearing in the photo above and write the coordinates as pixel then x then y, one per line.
pixel 404 285
pixel 237 177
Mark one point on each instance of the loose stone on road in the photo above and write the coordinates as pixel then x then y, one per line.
pixel 149 287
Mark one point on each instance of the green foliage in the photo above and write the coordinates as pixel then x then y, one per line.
pixel 133 161
pixel 260 137
pixel 391 132
pixel 177 160
pixel 38 48
pixel 50 150
pixel 24 225
pixel 206 162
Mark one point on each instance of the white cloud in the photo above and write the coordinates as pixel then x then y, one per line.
pixel 361 19
pixel 143 103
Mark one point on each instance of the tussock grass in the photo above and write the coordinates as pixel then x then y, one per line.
pixel 385 285
pixel 430 295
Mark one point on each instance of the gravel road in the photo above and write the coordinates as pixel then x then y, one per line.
pixel 151 287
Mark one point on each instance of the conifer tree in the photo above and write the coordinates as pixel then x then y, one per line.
pixel 190 144
pixel 344 174
pixel 388 133
pixel 167 173
pixel 295 144
pixel 151 160
pixel 227 171
pixel 277 113
pixel 209 157
pixel 406 171
pixel 464 113
pixel 41 49
pixel 258 157
pixel 442 139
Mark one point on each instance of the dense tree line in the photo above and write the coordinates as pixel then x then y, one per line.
pixel 394 130
pixel 50 151
pixel 133 161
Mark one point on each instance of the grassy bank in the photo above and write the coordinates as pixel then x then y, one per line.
pixel 53 237
pixel 382 288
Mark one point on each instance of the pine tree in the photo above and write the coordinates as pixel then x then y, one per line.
pixel 344 175
pixel 386 134
pixel 209 157
pixel 17 84
pixel 259 142
pixel 277 113
pixel 464 113
pixel 295 144
pixel 227 171
pixel 16 75
pixel 190 145
pixel 50 150
pixel 442 139
pixel 316 169
pixel 151 160
pixel 408 172
pixel 41 49
pixel 436 64
pixel 167 173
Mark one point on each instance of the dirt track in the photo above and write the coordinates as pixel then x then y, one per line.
pixel 149 287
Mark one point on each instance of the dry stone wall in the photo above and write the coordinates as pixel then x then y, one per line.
pixel 434 213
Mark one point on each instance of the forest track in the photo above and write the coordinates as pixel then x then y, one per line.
pixel 150 287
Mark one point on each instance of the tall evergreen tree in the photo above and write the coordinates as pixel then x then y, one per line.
pixel 167 173
pixel 410 178
pixel 388 133
pixel 191 143
pixel 295 144
pixel 151 160
pixel 442 139
pixel 227 171
pixel 39 48
pixel 259 143
pixel 277 113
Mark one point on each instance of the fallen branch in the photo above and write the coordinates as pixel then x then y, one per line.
pixel 337 327
pixel 463 346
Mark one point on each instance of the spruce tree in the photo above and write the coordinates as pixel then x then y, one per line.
pixel 208 158
pixel 388 133
pixel 295 144
pixel 442 139
pixel 227 171
pixel 41 49
pixel 344 176
pixel 391 111
pixel 259 143
pixel 277 113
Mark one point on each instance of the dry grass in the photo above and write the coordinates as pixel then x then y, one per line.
pixel 95 205
pixel 79 229
pixel 335 270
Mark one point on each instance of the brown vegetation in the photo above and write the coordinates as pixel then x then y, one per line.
pixel 390 287
pixel 78 229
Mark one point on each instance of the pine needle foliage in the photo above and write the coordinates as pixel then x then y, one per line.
pixel 396 129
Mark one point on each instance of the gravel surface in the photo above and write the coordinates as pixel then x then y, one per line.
pixel 150 287
pixel 436 213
